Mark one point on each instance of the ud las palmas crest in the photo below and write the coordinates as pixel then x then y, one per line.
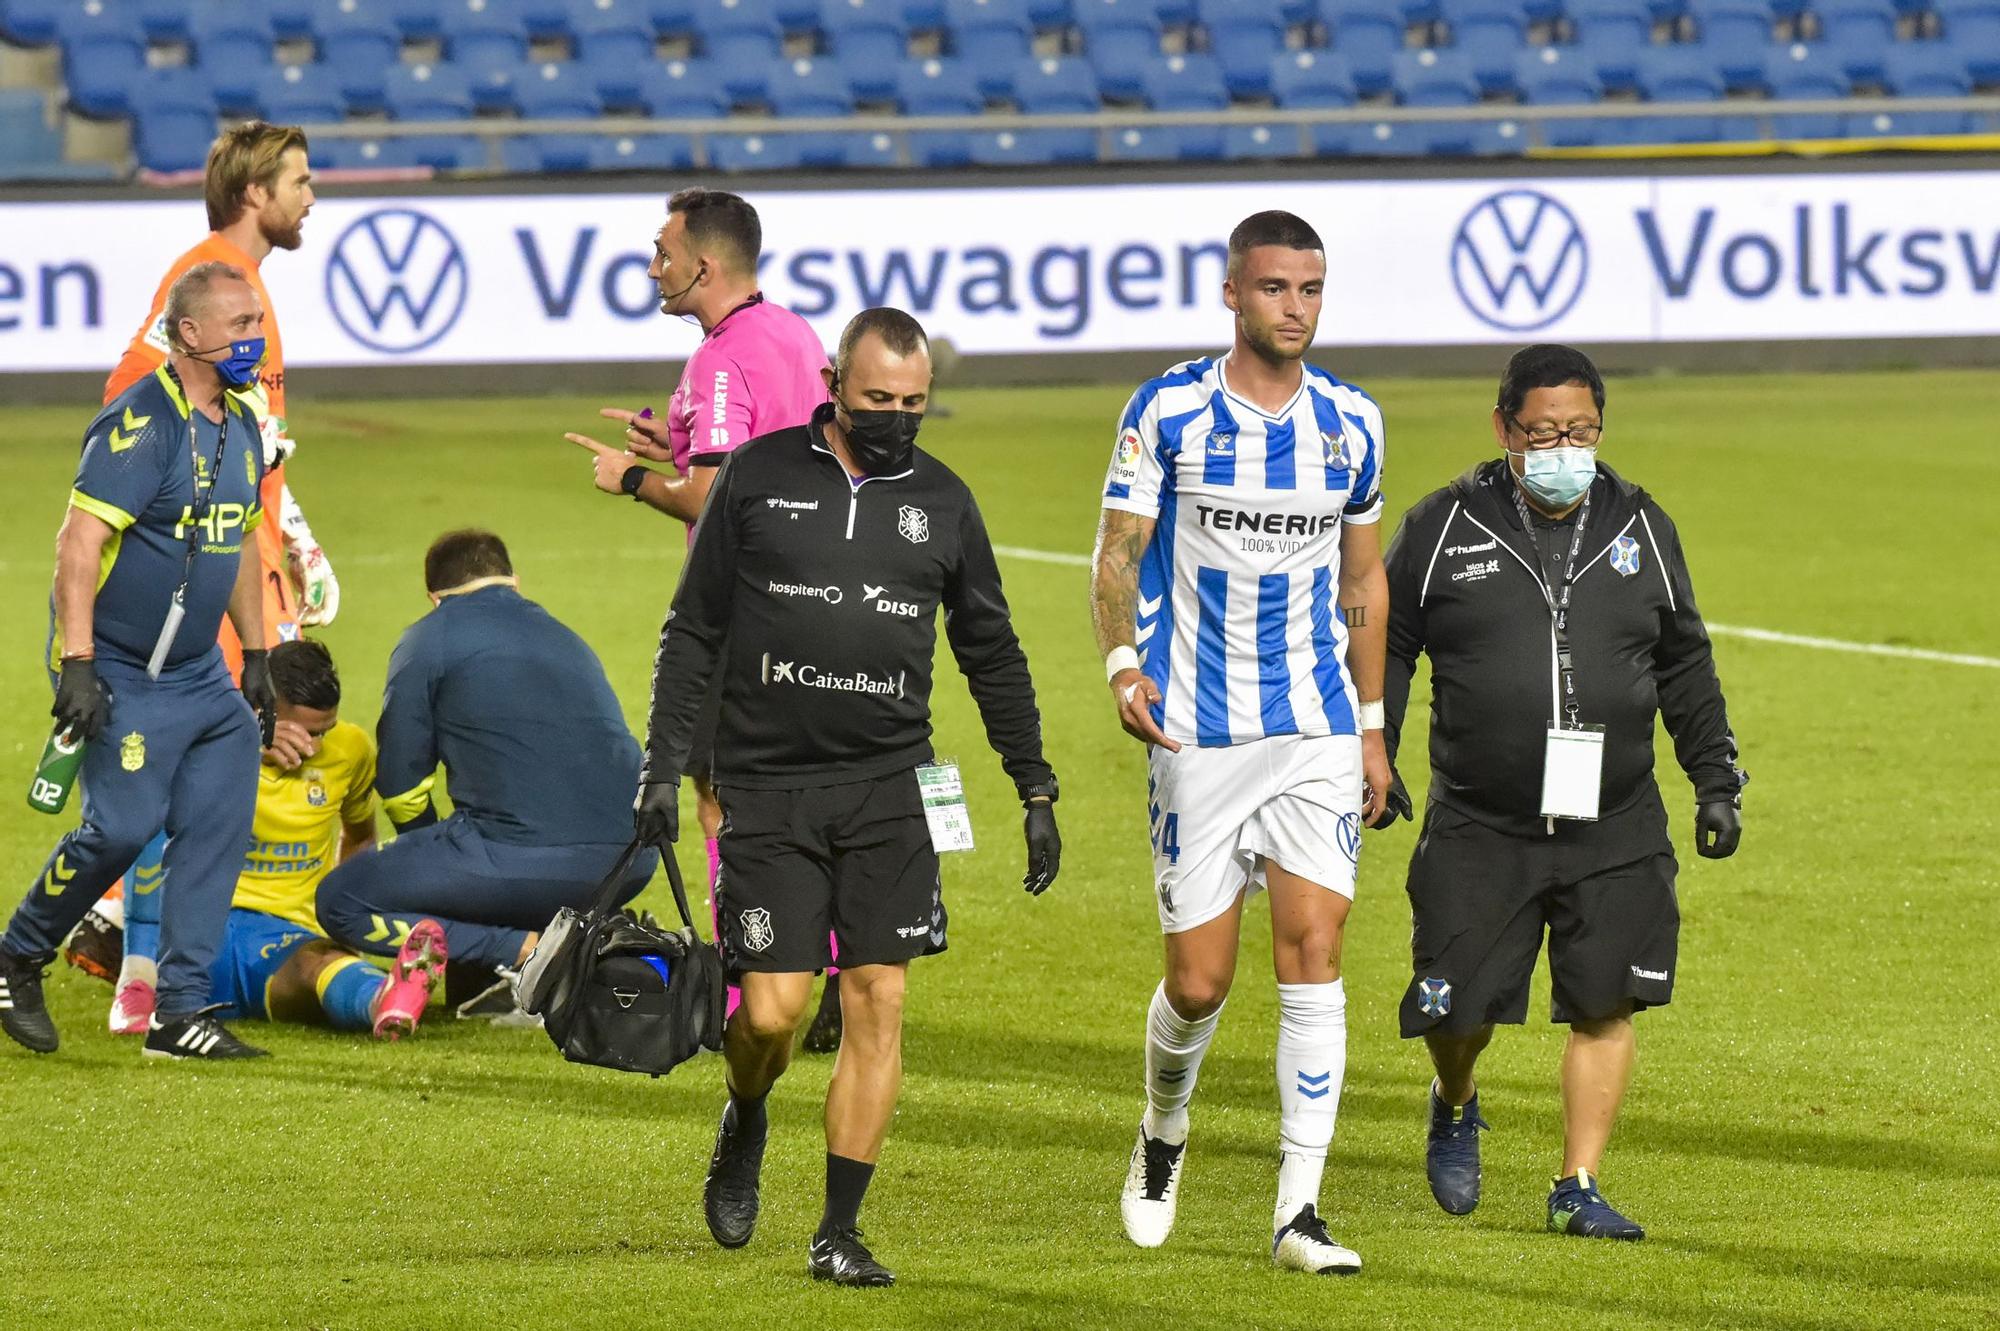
pixel 132 752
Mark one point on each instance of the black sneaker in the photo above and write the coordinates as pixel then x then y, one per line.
pixel 200 1035
pixel 841 1256
pixel 729 1198
pixel 1451 1154
pixel 96 947
pixel 24 1014
pixel 823 1036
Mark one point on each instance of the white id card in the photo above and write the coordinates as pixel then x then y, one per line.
pixel 1573 773
pixel 944 806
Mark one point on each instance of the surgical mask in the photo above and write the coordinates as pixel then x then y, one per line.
pixel 239 368
pixel 1558 477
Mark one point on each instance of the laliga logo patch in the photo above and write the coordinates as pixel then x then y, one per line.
pixel 913 525
pixel 1434 997
pixel 1625 555
pixel 757 932
pixel 1128 449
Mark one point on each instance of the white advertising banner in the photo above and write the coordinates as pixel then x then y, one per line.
pixel 452 279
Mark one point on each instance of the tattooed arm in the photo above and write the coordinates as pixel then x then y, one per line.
pixel 1122 538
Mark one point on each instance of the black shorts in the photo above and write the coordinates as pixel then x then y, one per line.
pixel 701 754
pixel 1480 899
pixel 852 860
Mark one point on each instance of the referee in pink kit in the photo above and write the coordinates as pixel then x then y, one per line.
pixel 756 371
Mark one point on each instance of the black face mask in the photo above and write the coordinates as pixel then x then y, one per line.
pixel 883 442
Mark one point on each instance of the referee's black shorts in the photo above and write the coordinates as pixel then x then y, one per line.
pixel 852 860
pixel 1480 900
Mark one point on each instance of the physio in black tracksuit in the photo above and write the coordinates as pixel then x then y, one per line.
pixel 818 570
pixel 1549 594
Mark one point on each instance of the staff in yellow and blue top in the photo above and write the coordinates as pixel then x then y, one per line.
pixel 315 809
pixel 154 549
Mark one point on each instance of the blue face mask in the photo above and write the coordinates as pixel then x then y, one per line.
pixel 1558 477
pixel 239 368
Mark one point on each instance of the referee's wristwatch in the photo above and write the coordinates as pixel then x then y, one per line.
pixel 1041 790
pixel 634 477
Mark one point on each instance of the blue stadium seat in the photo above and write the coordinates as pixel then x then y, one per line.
pixel 1055 85
pixel 870 40
pixel 740 34
pixel 1367 34
pixel 1051 13
pixel 1311 79
pixel 1925 69
pixel 642 152
pixel 548 154
pixel 299 95
pixel 447 152
pixel 807 87
pixel 1682 73
pixel 1973 27
pixel 163 20
pixel 849 152
pixel 33 23
pixel 616 32
pixel 1555 76
pixel 1261 143
pixel 1244 40
pixel 361 46
pixel 232 47
pixel 173 120
pixel 990 37
pixel 291 20
pixel 1737 24
pixel 940 148
pixel 418 20
pixel 1799 72
pixel 686 90
pixel 1427 77
pixel 1120 39
pixel 1184 83
pixel 427 92
pixel 621 81
pixel 1510 14
pixel 1493 50
pixel 1743 66
pixel 936 87
pixel 491 76
pixel 672 18
pixel 1034 147
pixel 754 152
pixel 487 31
pixel 550 20
pixel 1162 144
pixel 557 90
pixel 101 64
pixel 361 154
pixel 1859 34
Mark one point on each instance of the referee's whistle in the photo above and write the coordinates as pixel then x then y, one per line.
pixel 645 413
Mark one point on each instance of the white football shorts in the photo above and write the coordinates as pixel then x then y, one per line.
pixel 1293 800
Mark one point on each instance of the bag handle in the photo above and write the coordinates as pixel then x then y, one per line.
pixel 606 897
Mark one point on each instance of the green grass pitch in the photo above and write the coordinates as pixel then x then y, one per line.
pixel 1811 1138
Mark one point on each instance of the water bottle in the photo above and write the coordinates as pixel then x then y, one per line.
pixel 56 773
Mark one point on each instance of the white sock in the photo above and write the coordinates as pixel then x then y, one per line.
pixel 111 910
pixel 139 968
pixel 1174 1046
pixel 1312 1061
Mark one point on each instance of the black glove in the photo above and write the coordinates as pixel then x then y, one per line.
pixel 656 813
pixel 1717 829
pixel 1398 803
pixel 257 691
pixel 83 704
pixel 1044 846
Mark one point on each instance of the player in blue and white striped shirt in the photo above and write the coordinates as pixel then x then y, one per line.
pixel 1239 599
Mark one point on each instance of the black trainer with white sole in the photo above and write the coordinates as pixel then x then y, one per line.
pixel 840 1256
pixel 198 1036
pixel 24 1014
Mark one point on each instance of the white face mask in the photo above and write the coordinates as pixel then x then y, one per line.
pixel 1559 476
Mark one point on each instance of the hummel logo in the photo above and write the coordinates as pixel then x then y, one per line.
pixel 1171 1076
pixel 131 425
pixel 1315 1086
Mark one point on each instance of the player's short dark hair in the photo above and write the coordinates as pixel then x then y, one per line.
pixel 457 557
pixel 899 332
pixel 302 673
pixel 720 221
pixel 1271 228
pixel 1547 365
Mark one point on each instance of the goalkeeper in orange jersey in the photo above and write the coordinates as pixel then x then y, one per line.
pixel 258 189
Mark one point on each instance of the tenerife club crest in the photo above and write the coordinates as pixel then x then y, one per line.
pixel 1625 555
pixel 1434 997
pixel 757 932
pixel 913 524
pixel 1336 452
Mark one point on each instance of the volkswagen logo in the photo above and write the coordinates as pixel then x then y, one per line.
pixel 1519 260
pixel 396 280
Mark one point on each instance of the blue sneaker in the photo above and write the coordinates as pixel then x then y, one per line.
pixel 1577 1207
pixel 1451 1156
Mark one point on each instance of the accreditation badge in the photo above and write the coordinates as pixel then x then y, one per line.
pixel 1573 773
pixel 944 806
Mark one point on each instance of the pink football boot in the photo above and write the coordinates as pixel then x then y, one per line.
pixel 419 967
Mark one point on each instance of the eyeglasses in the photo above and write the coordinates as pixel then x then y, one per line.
pixel 1547 436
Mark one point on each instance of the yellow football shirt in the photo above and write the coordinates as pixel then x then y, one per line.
pixel 299 818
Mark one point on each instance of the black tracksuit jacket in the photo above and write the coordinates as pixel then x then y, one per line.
pixel 1465 587
pixel 818 601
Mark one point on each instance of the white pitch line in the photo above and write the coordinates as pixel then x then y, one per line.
pixel 1727 630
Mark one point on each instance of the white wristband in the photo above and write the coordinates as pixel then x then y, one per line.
pixel 1119 658
pixel 1371 715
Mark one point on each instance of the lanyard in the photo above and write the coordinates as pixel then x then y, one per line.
pixel 204 498
pixel 1558 598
